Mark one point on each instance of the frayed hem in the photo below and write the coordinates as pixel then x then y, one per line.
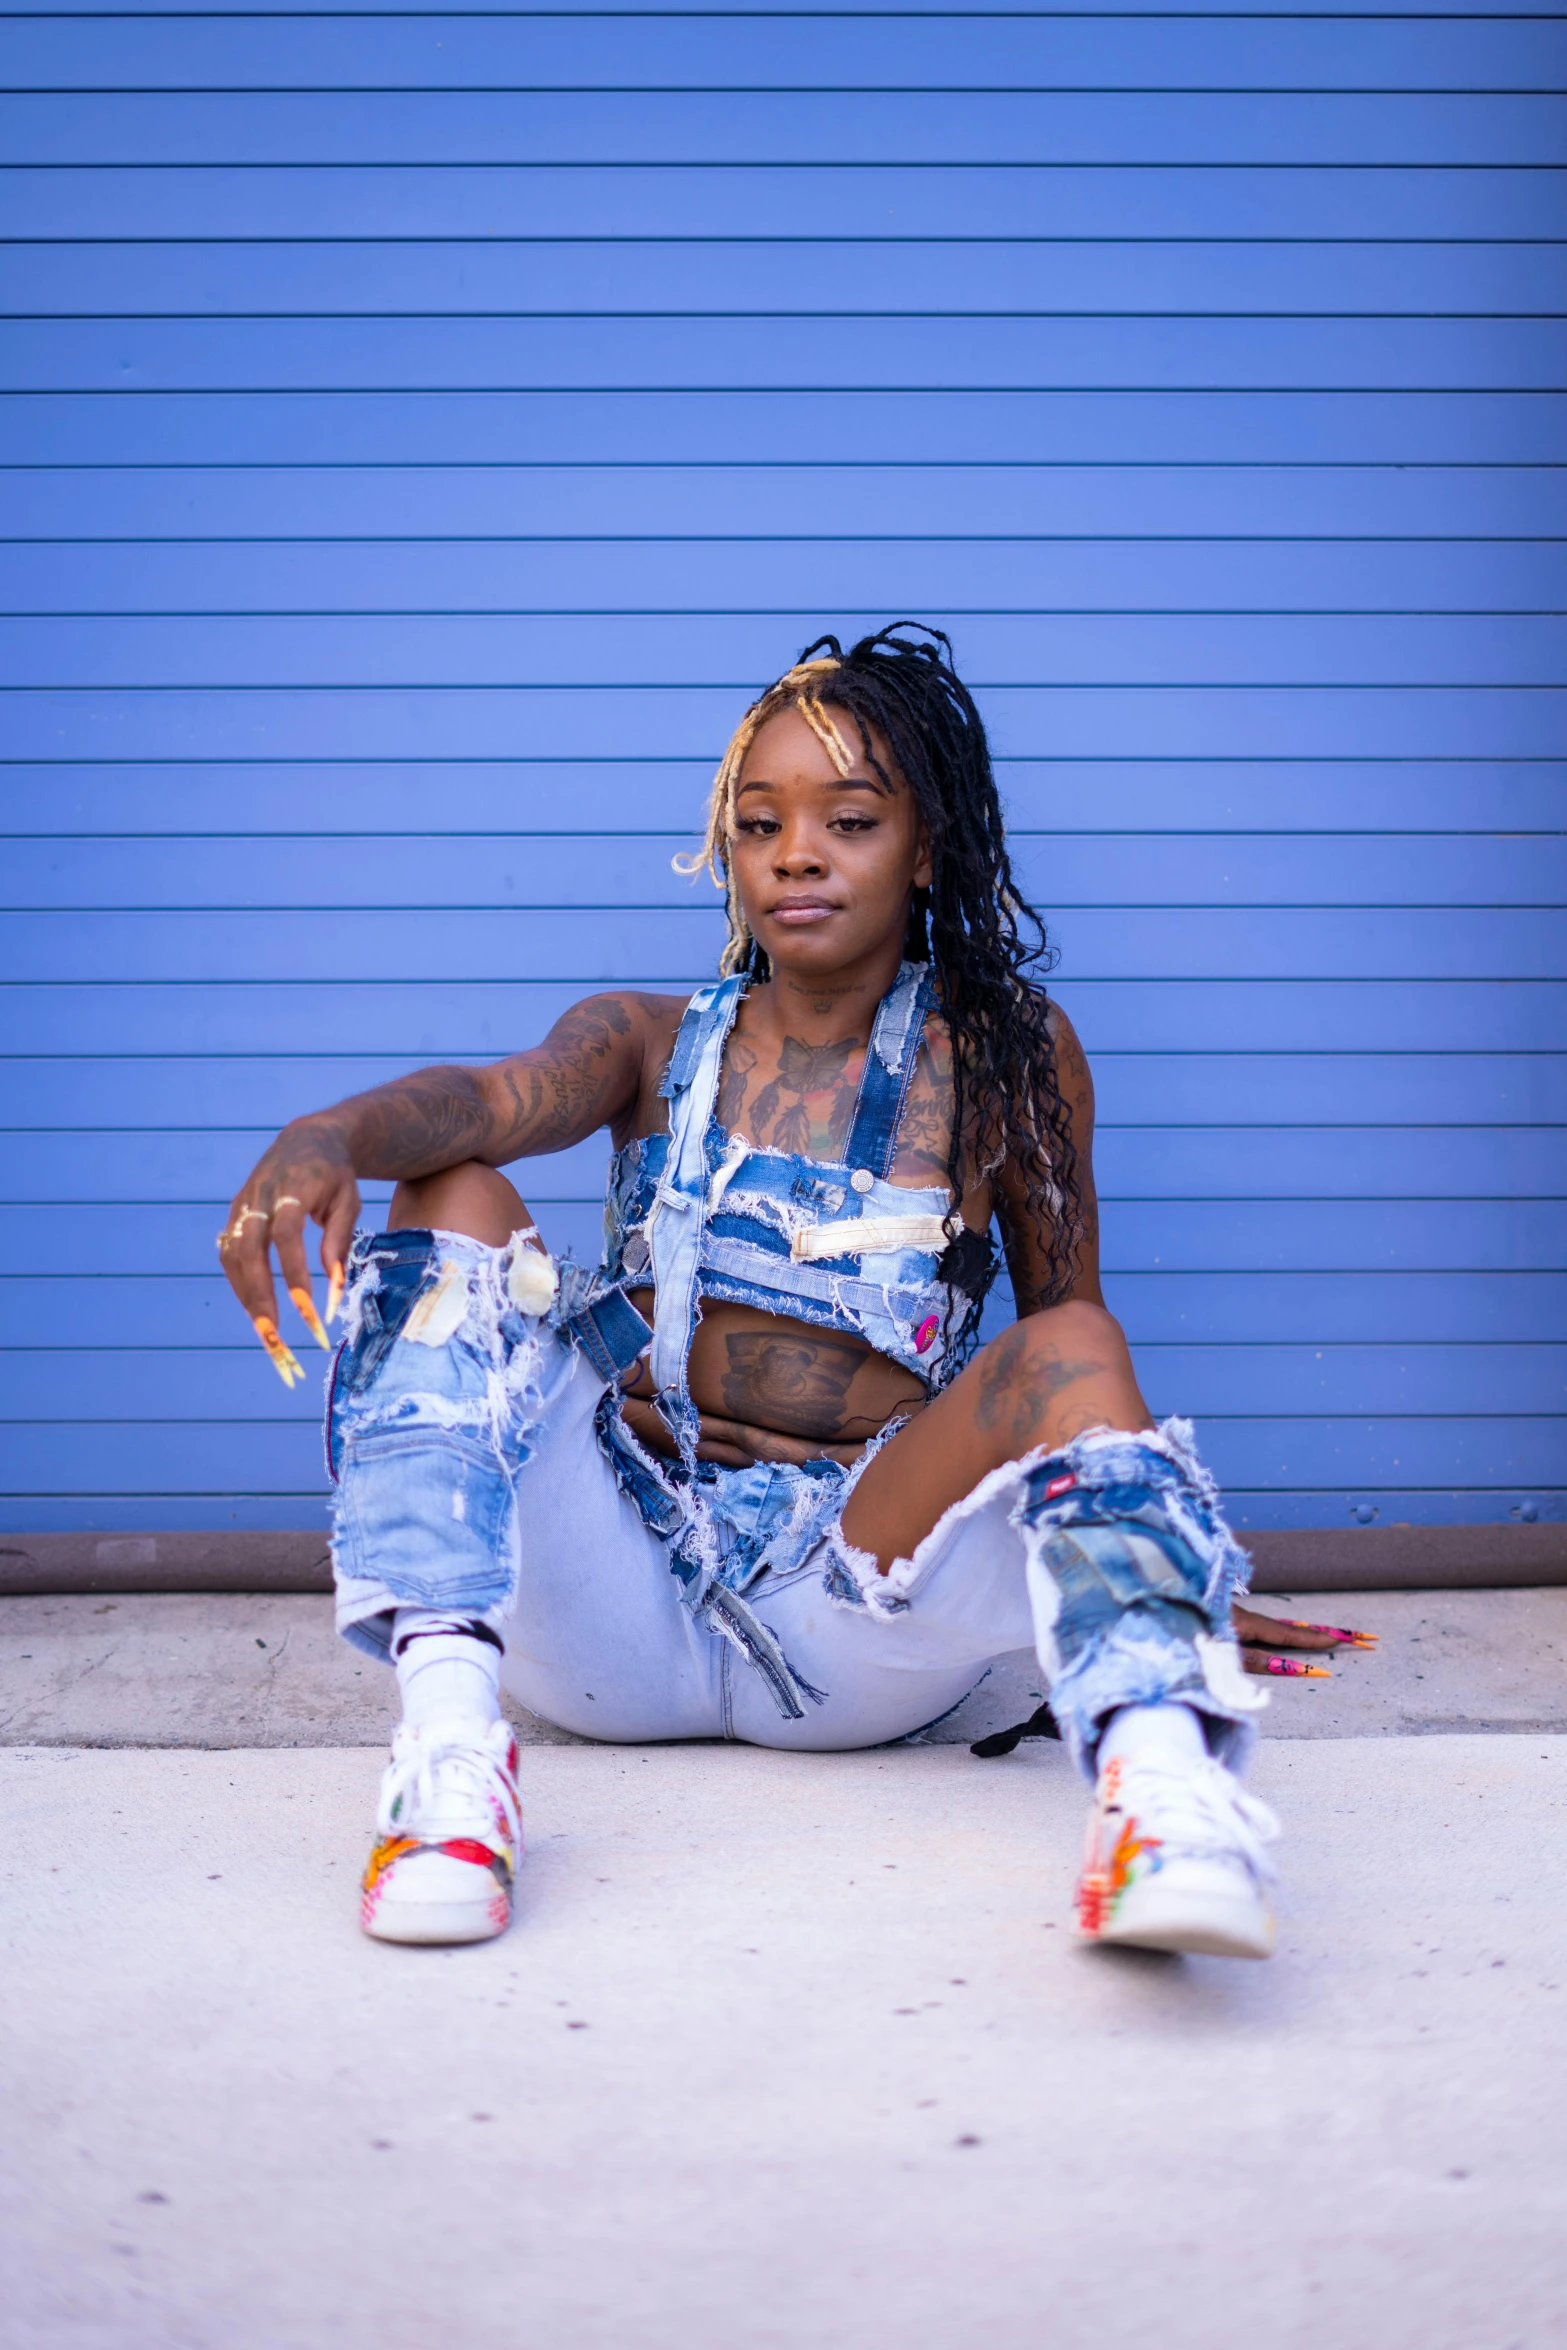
pixel 1132 1668
pixel 859 1582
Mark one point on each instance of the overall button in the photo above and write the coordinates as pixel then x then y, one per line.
pixel 861 1180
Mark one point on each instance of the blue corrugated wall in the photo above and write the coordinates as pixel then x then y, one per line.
pixel 421 433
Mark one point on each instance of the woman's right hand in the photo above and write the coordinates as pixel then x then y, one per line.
pixel 307 1173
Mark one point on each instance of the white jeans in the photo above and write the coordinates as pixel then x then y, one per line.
pixel 473 1475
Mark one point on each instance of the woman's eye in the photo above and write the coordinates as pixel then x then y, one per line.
pixel 763 826
pixel 854 823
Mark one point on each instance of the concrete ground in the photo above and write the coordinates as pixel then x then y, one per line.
pixel 781 2050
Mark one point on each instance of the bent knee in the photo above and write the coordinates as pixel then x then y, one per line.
pixel 1077 1324
pixel 470 1198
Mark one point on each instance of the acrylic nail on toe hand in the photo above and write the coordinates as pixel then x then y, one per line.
pixel 1290 1668
pixel 306 1306
pixel 334 1293
pixel 280 1356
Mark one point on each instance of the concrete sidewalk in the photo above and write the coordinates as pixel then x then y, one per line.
pixel 782 2050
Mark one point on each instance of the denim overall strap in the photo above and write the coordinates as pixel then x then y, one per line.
pixel 678 1214
pixel 889 1067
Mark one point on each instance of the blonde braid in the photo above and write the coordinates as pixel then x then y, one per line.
pixel 793 691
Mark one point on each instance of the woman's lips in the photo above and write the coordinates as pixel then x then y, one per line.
pixel 798 913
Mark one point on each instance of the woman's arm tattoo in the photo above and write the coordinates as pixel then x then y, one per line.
pixel 416 1125
pixel 582 1075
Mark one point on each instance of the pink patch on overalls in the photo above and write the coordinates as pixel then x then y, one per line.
pixel 925 1335
pixel 1059 1485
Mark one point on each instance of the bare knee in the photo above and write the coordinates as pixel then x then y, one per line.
pixel 1078 1327
pixel 469 1198
pixel 1052 1376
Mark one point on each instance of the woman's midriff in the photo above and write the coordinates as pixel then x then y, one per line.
pixel 771 1388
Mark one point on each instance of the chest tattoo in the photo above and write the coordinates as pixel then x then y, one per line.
pixel 805 1105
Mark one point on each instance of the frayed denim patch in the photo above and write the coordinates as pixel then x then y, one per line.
pixel 1109 1476
pixel 1131 1572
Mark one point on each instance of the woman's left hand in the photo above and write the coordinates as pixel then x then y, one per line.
pixel 1263 1637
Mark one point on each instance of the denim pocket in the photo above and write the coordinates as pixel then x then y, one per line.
pixel 424 1511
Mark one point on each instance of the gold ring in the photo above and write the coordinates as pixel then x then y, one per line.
pixel 235 1230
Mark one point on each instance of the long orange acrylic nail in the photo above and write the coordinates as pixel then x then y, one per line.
pixel 1287 1667
pixel 334 1293
pixel 1337 1631
pixel 281 1357
pixel 306 1305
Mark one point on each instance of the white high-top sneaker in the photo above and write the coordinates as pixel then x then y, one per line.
pixel 448 1835
pixel 1176 1859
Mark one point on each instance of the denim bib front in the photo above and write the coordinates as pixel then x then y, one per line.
pixel 705 1214
pixel 696 1213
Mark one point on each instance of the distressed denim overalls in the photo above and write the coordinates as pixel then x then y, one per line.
pixel 475 1428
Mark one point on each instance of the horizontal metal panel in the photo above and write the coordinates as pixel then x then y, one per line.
pixel 556 870
pixel 617 576
pixel 414 1021
pixel 1220 943
pixel 214 1459
pixel 193 11
pixel 1465 1450
pixel 1240 1236
pixel 1333 1090
pixel 1110 721
pixel 1146 1163
pixel 781 504
pixel 1286 1090
pixel 159 1513
pixel 389 426
pixel 867 277
pixel 203 1165
pixel 115 1381
pixel 1125 720
pixel 810 126
pixel 697 670
pixel 727 52
pixel 865 352
pixel 1204 1308
pixel 1348 1380
pixel 261 1455
pixel 1220 1307
pixel 866 199
pixel 1062 797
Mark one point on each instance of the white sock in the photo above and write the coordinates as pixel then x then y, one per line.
pixel 1169 1736
pixel 444 1670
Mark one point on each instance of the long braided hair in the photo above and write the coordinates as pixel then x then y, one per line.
pixel 987 944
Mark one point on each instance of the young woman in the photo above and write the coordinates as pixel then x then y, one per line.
pixel 754 1478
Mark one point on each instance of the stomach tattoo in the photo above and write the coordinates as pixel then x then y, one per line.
pixel 764 1373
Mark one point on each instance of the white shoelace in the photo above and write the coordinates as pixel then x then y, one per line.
pixel 446 1769
pixel 1200 1811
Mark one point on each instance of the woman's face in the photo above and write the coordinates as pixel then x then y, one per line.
pixel 826 865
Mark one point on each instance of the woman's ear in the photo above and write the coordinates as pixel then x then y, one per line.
pixel 922 866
